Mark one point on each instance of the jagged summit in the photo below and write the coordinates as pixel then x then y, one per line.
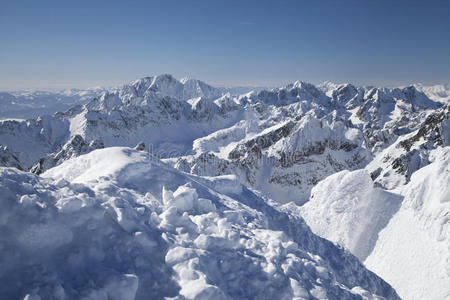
pixel 167 85
pixel 173 115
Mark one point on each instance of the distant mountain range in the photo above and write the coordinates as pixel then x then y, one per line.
pixel 342 156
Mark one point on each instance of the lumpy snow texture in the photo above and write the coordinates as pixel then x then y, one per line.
pixel 119 224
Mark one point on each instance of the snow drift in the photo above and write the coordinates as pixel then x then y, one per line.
pixel 118 224
pixel 403 235
pixel 413 251
pixel 347 209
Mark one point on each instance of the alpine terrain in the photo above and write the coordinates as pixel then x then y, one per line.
pixel 176 189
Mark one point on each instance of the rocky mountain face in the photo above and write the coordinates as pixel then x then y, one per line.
pixel 76 146
pixel 395 165
pixel 280 141
pixel 8 159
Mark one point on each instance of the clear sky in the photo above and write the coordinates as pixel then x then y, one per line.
pixel 235 42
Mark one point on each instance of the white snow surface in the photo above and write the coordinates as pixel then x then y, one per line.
pixel 119 224
pixel 413 251
pixel 347 209
pixel 403 235
pixel 438 92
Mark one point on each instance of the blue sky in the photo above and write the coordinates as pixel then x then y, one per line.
pixel 89 43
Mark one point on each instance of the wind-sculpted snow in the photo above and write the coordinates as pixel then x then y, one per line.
pixel 118 224
pixel 346 209
pixel 413 251
pixel 403 234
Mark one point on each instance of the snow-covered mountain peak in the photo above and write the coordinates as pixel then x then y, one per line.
pixel 416 98
pixel 327 86
pixel 346 93
pixel 291 93
pixel 106 102
pixel 439 93
pixel 196 88
pixel 166 85
pixel 141 85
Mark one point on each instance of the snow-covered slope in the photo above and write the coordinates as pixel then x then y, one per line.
pixel 118 224
pixel 347 209
pixel 403 235
pixel 413 251
pixel 439 92
pixel 32 139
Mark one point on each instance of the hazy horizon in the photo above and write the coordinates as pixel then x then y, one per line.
pixel 57 88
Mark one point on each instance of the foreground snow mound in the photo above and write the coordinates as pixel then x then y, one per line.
pixel 118 224
pixel 413 251
pixel 346 209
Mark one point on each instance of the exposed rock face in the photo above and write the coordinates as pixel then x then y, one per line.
pixel 396 164
pixel 435 130
pixel 280 141
pixel 8 159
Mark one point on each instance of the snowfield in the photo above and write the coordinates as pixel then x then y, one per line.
pixel 413 251
pixel 347 209
pixel 119 224
pixel 403 235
